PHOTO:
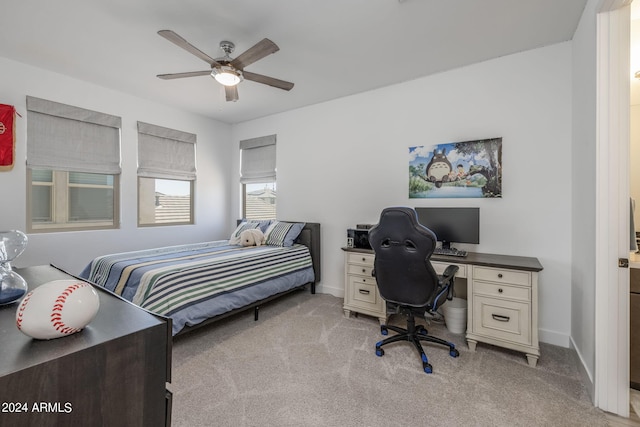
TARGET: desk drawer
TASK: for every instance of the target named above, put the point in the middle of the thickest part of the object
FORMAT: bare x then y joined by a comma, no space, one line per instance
363,290
361,270
499,275
506,320
358,258
502,291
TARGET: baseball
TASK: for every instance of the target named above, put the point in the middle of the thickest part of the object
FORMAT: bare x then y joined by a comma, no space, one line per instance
57,309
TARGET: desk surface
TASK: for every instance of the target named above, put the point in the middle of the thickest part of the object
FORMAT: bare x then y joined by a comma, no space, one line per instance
477,258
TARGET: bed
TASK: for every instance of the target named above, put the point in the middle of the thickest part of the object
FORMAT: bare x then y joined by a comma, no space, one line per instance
199,283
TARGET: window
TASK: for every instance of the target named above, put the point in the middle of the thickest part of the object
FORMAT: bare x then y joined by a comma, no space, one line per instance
258,177
166,175
64,200
164,201
259,201
73,167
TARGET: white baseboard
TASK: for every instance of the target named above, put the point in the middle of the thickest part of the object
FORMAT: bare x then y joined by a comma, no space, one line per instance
587,377
331,290
553,337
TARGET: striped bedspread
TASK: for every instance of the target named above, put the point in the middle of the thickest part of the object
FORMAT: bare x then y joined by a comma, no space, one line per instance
191,283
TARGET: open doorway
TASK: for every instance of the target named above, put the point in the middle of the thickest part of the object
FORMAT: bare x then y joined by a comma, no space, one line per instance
634,192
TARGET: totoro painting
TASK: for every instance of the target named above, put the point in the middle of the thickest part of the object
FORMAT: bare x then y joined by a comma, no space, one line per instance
456,170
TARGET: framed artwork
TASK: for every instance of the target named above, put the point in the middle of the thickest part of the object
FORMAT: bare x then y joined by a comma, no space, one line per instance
468,169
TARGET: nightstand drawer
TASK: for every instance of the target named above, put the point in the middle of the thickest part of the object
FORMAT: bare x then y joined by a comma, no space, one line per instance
514,277
505,320
361,270
363,290
356,258
502,291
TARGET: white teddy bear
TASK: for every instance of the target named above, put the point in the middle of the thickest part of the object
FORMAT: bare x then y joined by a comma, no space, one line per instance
252,237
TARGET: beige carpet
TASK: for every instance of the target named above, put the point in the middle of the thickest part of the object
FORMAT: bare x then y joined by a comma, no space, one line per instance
305,364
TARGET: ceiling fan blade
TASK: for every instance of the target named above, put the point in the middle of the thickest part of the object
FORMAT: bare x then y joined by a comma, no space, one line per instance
231,93
259,78
187,74
258,51
180,42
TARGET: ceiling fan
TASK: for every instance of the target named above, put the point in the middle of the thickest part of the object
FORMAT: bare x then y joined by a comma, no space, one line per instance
226,70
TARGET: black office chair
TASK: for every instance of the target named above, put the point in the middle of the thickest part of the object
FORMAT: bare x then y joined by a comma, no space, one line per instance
406,279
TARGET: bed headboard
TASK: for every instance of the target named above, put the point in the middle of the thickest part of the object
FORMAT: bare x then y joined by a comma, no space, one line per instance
310,237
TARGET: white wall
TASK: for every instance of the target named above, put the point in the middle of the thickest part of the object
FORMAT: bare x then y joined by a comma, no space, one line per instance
73,250
583,220
341,162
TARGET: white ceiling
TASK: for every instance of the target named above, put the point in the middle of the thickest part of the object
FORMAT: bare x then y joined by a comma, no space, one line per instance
328,48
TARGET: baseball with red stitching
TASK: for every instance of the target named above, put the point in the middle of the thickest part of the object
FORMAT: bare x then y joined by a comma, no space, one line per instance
57,309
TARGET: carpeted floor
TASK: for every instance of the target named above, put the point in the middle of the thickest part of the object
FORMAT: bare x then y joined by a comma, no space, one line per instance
305,364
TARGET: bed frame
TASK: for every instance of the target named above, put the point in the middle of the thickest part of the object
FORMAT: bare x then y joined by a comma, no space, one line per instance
310,237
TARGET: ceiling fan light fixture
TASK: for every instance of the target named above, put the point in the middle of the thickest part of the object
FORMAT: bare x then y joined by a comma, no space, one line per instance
226,75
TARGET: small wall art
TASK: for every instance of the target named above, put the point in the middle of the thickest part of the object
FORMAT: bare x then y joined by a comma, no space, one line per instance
7,137
468,169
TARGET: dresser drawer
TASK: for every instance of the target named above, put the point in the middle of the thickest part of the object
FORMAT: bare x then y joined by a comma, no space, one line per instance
439,267
505,320
502,291
502,276
362,270
363,292
357,258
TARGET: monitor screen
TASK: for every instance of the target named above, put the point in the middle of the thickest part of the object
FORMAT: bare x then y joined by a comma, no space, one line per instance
452,225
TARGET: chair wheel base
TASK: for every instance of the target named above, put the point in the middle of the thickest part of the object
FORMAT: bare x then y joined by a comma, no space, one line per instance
379,352
384,330
427,368
454,352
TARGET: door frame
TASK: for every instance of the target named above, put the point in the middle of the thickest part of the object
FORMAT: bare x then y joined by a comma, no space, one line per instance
611,383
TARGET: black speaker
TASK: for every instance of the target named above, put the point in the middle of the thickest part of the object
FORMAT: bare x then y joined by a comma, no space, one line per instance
360,238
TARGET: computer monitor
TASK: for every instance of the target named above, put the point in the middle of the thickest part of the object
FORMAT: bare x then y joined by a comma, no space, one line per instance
459,225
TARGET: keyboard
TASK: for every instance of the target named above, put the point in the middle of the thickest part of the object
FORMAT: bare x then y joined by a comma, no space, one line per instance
450,252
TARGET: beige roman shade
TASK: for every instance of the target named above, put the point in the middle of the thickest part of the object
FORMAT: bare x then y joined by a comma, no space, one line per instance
166,153
258,159
68,138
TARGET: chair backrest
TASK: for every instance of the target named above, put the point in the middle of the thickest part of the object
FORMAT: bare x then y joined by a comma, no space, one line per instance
402,249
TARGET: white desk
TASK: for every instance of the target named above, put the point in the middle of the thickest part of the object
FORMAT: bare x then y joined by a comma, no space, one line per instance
502,296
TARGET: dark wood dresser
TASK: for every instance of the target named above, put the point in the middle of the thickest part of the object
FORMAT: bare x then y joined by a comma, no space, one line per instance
112,373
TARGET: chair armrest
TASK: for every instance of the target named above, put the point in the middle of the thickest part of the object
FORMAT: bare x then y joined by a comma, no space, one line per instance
447,279
449,273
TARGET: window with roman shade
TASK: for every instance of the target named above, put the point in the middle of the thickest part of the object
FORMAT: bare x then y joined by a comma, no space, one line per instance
166,175
258,177
73,167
